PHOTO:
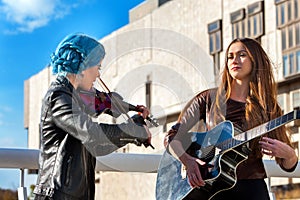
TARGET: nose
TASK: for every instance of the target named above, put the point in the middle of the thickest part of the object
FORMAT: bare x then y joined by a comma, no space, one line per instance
235,59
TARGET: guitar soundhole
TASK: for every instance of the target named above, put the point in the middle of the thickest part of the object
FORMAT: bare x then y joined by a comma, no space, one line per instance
205,154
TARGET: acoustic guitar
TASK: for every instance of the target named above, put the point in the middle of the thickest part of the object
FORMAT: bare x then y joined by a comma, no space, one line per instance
221,151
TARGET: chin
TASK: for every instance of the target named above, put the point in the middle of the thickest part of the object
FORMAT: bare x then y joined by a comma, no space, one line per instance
87,88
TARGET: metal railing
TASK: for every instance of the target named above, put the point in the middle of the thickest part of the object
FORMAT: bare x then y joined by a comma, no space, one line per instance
119,162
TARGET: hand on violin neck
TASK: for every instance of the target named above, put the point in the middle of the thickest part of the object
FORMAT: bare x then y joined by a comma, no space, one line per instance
143,110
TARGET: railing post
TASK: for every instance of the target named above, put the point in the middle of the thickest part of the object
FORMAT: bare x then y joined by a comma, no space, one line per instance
271,194
22,192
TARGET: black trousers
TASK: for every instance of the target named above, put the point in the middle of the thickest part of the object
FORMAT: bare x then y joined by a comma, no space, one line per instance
40,197
251,189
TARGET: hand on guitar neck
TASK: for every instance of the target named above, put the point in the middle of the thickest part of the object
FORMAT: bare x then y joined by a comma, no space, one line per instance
276,148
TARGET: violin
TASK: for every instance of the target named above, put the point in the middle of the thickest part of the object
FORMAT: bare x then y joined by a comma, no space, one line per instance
111,103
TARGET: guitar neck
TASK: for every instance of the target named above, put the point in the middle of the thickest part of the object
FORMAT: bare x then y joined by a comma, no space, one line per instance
261,129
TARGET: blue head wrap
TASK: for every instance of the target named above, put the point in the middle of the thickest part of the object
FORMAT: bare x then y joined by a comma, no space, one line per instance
76,53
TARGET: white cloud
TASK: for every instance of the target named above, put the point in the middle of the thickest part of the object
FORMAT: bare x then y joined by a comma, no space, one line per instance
7,142
5,109
28,15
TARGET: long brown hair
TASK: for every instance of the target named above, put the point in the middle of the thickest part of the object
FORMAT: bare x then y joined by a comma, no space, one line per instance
261,102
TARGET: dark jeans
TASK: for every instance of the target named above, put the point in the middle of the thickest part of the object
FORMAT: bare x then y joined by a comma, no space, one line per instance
251,189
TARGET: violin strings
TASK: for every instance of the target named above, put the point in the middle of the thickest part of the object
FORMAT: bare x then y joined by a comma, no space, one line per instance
119,107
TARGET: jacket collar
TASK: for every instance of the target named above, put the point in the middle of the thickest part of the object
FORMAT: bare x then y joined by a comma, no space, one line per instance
62,80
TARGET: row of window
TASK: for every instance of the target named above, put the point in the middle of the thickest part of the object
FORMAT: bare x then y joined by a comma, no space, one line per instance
291,63
249,22
290,36
250,25
295,100
287,11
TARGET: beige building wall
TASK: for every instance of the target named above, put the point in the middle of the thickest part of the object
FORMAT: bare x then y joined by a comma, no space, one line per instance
169,47
35,88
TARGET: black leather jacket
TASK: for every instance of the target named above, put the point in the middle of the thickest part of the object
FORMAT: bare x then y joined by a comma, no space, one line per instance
70,141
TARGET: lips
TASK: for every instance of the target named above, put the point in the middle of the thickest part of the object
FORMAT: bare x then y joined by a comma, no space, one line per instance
235,68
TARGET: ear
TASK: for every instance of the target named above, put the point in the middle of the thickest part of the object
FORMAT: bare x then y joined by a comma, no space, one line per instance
81,75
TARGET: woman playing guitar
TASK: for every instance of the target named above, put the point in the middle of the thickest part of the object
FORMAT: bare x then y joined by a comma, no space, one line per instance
247,97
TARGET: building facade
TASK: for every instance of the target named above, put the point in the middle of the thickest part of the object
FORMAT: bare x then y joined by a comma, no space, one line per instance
173,49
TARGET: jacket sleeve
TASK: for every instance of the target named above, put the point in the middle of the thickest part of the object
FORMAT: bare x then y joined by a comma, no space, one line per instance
99,139
194,111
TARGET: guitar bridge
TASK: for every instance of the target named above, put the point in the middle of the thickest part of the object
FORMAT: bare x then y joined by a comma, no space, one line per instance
183,172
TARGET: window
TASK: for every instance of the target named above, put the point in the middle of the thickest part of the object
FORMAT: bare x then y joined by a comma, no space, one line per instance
291,63
296,9
215,36
289,36
296,99
297,35
217,62
148,92
288,21
283,40
248,23
286,11
291,59
237,20
298,61
215,43
280,99
255,20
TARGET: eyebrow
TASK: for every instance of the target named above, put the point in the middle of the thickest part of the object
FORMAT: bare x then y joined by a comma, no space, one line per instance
243,50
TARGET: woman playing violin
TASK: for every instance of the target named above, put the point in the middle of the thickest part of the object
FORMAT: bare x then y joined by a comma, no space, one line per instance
70,139
247,97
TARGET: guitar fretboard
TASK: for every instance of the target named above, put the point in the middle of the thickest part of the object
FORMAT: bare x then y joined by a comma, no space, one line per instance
260,130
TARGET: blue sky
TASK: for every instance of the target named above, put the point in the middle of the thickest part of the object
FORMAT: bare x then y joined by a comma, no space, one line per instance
29,32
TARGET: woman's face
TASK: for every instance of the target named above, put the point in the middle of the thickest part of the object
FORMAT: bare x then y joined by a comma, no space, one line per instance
238,62
89,76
